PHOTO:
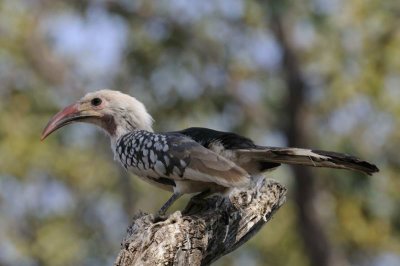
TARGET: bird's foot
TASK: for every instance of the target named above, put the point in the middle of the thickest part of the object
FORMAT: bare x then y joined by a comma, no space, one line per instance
160,217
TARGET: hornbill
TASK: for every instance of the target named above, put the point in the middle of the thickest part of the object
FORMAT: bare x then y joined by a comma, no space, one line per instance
191,160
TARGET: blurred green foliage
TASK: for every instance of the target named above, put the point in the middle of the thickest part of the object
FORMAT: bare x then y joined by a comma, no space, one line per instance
194,63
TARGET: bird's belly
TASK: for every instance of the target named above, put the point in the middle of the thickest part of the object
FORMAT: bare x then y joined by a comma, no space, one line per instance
152,178
189,186
183,186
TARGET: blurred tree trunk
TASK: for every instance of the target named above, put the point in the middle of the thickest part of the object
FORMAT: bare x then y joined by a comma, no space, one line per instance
317,245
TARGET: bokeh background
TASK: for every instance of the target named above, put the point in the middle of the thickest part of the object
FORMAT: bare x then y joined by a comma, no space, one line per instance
309,73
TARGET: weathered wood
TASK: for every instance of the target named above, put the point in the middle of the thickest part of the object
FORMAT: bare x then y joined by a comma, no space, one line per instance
207,229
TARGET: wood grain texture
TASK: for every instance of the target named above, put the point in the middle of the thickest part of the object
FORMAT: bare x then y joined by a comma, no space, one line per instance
205,231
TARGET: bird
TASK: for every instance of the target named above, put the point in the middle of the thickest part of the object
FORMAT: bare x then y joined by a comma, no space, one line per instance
193,160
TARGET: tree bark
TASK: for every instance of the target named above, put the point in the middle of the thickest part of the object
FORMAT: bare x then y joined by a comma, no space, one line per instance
205,231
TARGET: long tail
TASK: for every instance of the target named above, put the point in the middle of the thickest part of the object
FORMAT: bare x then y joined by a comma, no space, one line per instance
316,158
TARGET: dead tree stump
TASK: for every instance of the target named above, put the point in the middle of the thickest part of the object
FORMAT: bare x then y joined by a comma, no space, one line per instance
205,231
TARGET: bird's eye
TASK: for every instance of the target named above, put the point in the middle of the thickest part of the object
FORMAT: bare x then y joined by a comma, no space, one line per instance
96,101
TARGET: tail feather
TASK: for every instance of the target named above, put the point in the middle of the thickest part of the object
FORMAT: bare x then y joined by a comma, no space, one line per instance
316,158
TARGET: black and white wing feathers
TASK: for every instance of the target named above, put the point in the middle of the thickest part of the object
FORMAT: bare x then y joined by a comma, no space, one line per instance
176,157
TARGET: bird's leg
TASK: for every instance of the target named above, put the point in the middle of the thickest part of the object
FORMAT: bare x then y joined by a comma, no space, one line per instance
168,204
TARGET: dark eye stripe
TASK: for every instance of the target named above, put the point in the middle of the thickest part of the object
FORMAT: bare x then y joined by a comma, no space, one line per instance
96,101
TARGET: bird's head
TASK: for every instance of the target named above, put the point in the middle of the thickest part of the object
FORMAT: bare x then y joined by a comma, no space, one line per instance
113,111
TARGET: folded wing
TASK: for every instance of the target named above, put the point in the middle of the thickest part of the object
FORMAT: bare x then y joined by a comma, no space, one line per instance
201,164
